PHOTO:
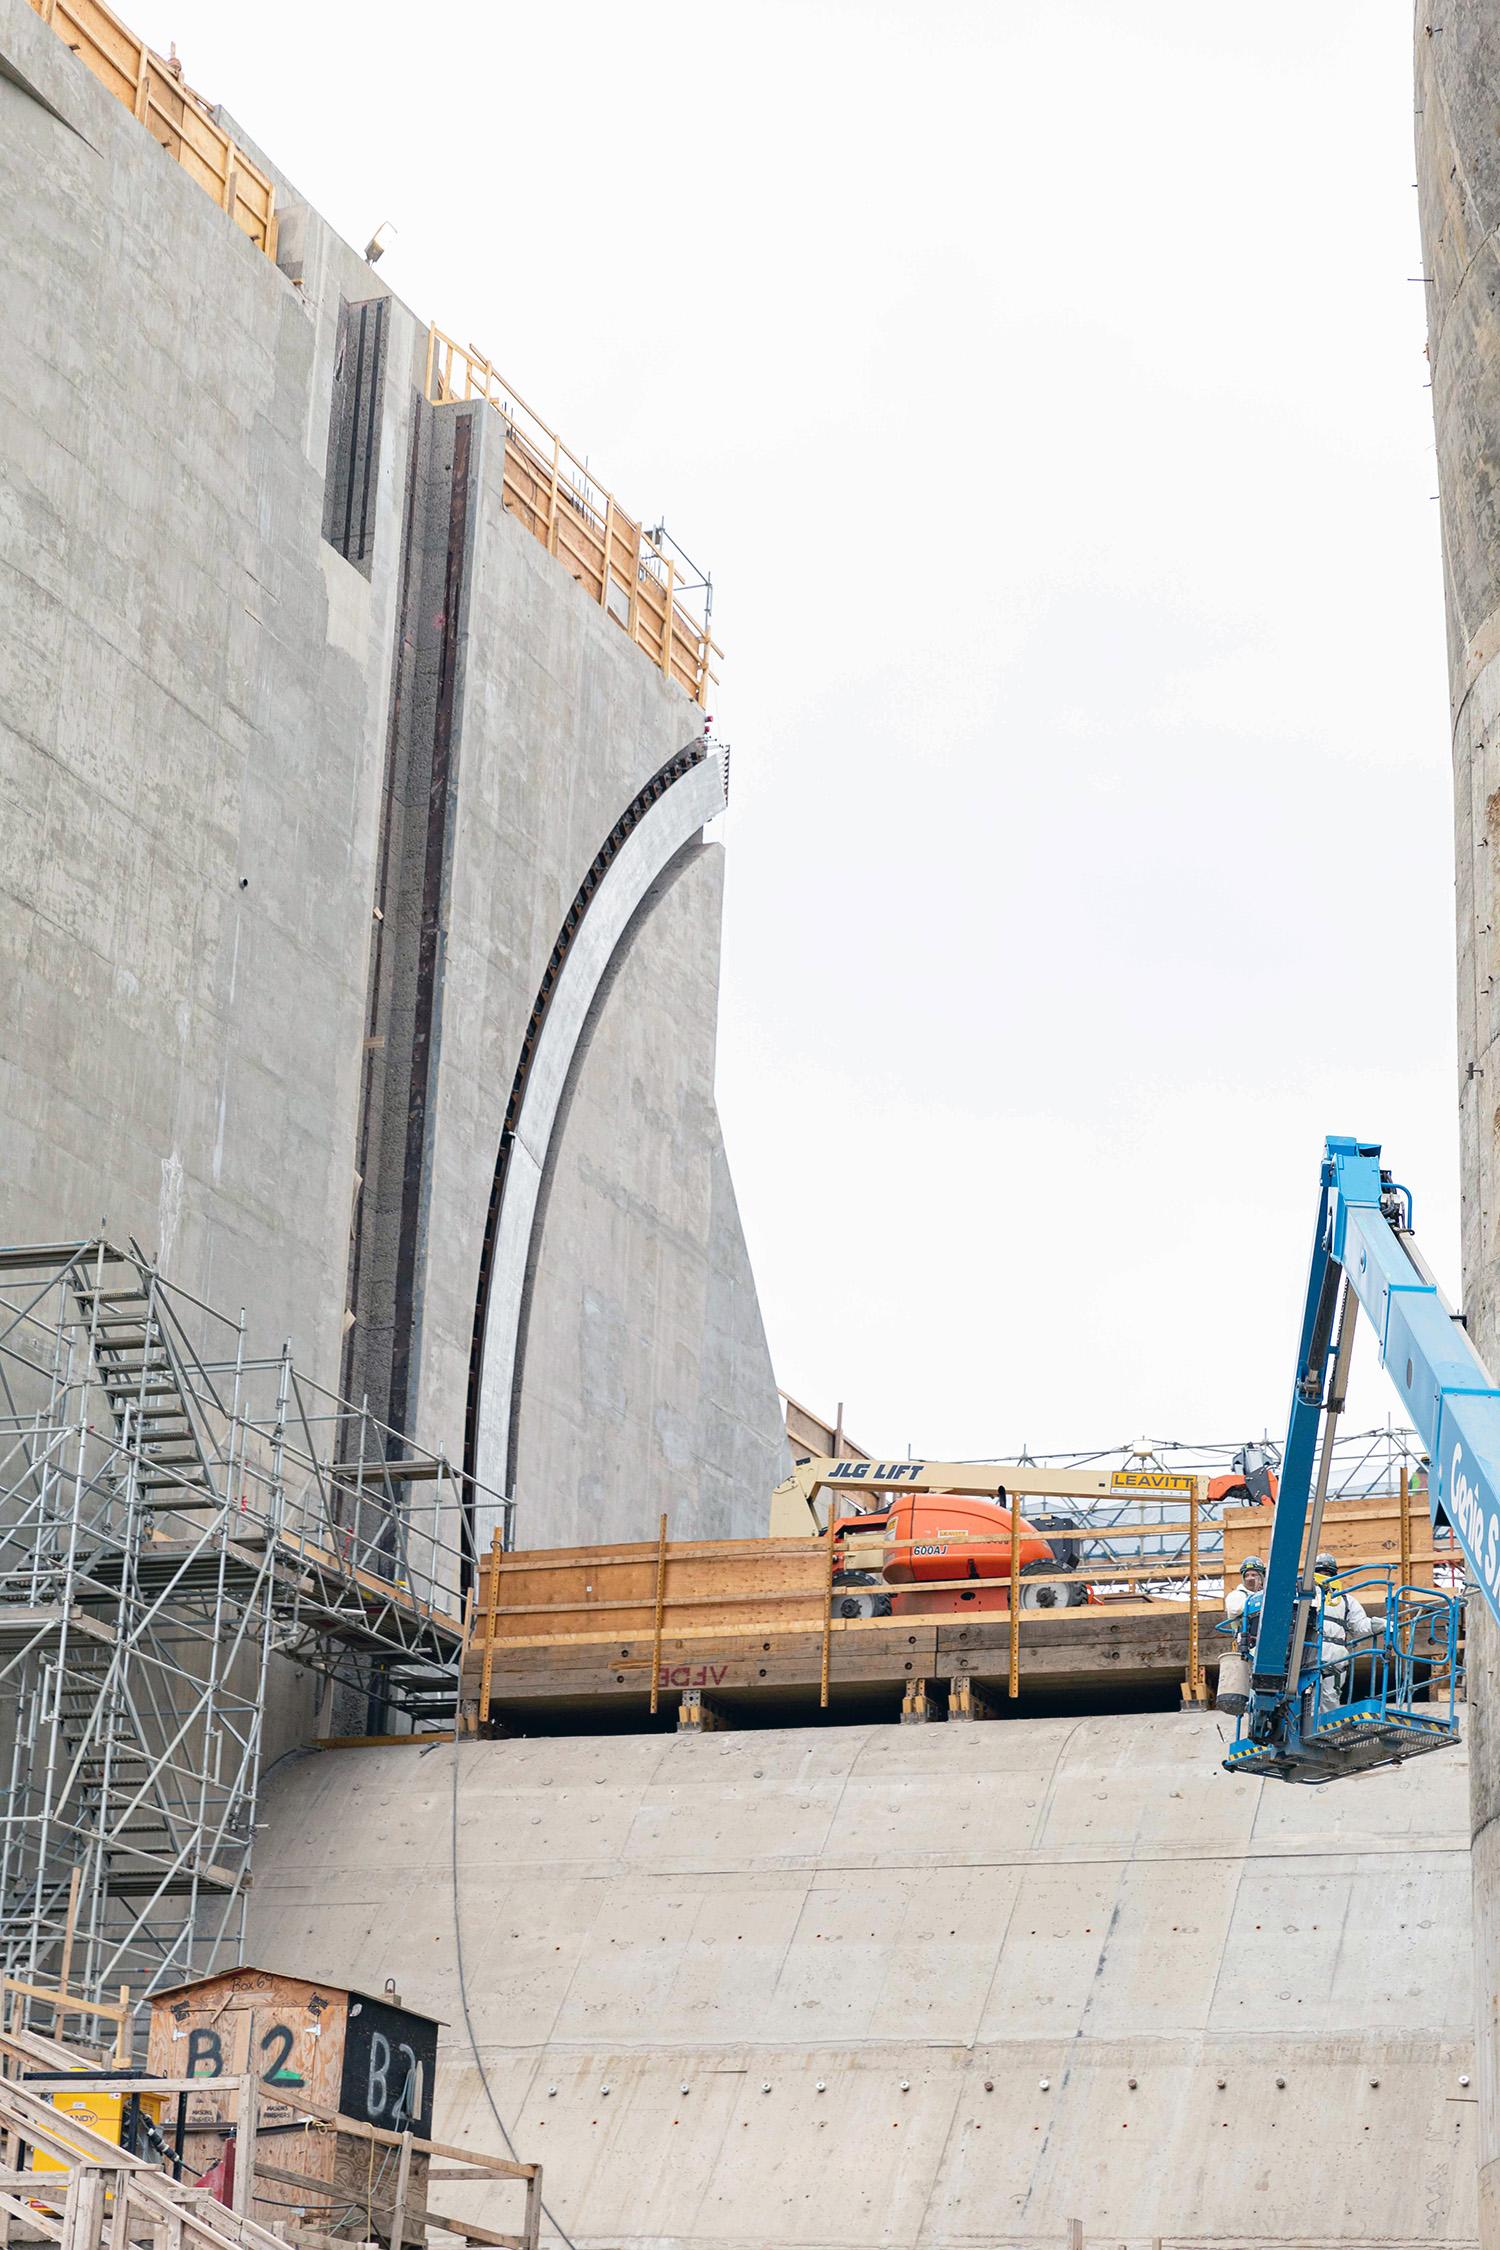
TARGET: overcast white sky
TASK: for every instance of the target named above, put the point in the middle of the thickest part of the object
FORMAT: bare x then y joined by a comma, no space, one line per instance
1045,387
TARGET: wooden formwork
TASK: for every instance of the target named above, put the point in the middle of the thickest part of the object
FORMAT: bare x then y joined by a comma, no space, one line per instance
1142,1644
750,1622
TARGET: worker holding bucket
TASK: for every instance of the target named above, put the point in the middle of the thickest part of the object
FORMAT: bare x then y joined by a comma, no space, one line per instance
1234,1667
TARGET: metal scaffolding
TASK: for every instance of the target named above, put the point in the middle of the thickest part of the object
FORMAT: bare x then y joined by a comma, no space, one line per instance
1365,1463
174,1514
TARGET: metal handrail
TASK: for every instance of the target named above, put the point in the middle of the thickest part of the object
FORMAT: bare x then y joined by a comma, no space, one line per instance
1391,1650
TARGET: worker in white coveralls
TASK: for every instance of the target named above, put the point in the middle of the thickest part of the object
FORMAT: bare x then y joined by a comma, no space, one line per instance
1344,1621
1234,1668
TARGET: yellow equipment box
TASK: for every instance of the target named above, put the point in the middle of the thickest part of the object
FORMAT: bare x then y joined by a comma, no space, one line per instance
101,2112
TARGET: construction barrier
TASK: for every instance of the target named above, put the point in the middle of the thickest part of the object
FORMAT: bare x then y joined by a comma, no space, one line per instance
551,1610
632,574
153,91
1376,1531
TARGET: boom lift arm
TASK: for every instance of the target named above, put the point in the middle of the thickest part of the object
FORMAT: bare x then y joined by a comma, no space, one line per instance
852,1486
1365,1255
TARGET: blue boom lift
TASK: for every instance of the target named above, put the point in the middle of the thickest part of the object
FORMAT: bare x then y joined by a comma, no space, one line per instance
1312,1714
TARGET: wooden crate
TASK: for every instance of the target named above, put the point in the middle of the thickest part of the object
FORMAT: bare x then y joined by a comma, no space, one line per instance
345,2053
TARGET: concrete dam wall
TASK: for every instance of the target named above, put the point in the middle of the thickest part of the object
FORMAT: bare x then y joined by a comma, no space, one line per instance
312,756
1458,179
945,1986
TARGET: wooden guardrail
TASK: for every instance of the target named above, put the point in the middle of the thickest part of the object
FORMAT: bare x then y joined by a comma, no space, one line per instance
557,1603
91,2193
637,577
65,2005
630,575
1377,1531
153,91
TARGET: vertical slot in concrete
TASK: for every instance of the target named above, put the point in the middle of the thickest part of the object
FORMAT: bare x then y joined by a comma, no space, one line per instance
354,432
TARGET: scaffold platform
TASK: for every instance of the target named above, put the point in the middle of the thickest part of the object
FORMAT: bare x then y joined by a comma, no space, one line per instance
174,1513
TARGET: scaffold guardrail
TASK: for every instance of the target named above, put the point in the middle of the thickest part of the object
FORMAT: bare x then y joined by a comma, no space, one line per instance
174,1513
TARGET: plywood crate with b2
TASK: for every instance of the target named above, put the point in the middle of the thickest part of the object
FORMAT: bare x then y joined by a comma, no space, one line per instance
314,2050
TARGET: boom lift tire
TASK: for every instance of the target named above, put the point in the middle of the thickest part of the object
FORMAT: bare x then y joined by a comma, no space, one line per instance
1049,1595
850,1599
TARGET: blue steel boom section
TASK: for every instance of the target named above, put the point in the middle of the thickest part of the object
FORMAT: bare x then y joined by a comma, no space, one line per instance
1311,1717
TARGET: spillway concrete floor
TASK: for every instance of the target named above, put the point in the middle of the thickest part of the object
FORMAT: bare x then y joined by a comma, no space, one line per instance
939,1987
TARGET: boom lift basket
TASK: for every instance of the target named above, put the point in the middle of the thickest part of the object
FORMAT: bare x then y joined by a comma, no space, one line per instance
1312,1714
1361,1709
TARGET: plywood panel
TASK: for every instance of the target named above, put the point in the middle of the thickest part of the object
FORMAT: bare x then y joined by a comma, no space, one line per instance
1365,1531
710,1585
290,2033
170,111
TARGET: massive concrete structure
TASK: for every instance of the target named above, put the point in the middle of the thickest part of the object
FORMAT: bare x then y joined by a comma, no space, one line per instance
945,1986
358,936
358,931
1458,176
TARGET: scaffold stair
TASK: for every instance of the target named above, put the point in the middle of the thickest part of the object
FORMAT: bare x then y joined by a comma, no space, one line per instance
140,1375
174,1513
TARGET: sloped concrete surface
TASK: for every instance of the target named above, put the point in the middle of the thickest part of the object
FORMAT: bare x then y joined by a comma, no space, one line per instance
1016,1919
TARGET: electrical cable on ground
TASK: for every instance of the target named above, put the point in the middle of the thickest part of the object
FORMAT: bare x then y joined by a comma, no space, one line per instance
463,1994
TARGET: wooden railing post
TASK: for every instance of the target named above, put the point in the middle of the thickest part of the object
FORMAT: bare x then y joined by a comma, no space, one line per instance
83,2208
827,1613
1014,1686
666,641
487,1661
609,537
661,1610
398,2203
531,2225
1192,1692
633,621
244,2148
552,496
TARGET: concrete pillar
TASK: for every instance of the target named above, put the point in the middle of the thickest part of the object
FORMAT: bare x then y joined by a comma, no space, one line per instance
1458,178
